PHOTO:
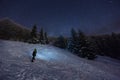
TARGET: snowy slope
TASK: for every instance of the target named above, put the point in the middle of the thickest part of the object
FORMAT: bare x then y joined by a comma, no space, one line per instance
52,64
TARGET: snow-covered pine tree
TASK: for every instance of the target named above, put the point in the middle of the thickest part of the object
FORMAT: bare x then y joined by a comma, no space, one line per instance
34,34
91,50
87,48
72,42
70,45
82,44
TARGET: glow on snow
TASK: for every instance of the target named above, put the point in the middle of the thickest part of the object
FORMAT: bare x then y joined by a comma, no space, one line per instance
46,53
50,53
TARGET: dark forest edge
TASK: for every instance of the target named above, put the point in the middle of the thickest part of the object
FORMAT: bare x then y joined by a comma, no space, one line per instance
90,46
78,43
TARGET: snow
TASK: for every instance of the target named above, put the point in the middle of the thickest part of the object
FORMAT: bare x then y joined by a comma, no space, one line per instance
52,63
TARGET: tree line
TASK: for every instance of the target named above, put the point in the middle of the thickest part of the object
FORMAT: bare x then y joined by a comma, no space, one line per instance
89,46
78,44
108,45
40,37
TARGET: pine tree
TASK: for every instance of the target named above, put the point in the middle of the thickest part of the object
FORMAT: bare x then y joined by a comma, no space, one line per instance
41,37
74,34
72,41
34,32
87,48
91,50
46,38
82,44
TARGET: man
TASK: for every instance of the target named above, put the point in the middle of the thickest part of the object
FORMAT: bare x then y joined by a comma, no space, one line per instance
34,54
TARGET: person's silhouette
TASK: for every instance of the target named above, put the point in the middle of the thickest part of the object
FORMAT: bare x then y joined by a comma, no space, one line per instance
34,54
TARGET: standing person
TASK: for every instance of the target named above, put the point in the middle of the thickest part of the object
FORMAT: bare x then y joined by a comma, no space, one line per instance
34,54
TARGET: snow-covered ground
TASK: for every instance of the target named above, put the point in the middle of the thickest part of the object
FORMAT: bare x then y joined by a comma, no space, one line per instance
52,64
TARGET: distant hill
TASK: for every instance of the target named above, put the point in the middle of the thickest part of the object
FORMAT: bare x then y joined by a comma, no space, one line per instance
13,31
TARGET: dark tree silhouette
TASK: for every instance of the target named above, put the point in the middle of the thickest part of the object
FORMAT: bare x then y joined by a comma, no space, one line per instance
46,38
72,41
80,45
41,37
61,43
34,32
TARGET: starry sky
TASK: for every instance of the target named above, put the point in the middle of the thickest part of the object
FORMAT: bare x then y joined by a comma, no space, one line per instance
57,17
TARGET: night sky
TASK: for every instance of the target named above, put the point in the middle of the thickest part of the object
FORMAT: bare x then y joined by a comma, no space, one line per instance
57,17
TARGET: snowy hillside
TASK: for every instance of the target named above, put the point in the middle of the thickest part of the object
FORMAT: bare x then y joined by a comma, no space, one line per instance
52,64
